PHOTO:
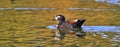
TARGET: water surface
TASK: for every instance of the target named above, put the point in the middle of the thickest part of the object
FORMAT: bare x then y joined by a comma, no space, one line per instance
110,1
96,28
72,8
108,33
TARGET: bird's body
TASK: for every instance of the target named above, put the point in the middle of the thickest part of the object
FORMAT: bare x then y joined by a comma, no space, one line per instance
71,26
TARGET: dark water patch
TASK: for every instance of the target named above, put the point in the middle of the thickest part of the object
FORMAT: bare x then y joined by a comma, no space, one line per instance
39,46
4,39
38,27
34,40
25,42
46,38
30,42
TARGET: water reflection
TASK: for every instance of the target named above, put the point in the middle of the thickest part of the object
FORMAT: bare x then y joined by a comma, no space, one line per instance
6,8
105,36
110,33
34,8
110,1
95,28
81,9
27,8
95,9
115,40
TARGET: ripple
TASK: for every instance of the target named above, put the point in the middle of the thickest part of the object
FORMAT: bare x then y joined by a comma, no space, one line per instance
115,39
104,36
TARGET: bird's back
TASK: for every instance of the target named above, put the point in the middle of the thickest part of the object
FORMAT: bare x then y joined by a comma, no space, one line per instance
67,26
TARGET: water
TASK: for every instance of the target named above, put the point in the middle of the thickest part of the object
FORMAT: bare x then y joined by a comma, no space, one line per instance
108,33
20,8
95,28
110,1
81,9
33,34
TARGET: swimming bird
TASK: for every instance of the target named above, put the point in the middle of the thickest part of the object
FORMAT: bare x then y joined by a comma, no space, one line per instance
68,26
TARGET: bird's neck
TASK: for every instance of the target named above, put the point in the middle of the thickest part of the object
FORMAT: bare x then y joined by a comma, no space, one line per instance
61,22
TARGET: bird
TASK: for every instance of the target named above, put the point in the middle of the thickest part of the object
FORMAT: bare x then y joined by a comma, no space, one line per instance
72,26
